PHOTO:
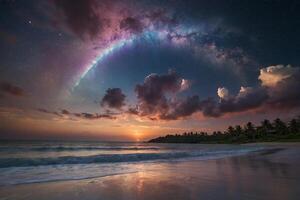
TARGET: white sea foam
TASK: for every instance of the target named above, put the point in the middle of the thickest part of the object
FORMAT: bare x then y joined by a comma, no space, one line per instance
21,167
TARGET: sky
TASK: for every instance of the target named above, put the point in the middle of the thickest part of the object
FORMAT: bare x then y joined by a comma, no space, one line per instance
131,70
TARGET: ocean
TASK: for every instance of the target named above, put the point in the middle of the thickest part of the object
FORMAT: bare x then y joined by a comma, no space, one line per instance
24,162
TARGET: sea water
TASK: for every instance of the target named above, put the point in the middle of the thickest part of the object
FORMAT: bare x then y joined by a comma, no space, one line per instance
43,161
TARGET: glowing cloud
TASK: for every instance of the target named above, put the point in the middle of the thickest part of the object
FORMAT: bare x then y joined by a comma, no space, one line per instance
272,75
223,93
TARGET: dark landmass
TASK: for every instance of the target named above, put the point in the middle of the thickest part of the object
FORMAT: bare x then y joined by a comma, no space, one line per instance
276,131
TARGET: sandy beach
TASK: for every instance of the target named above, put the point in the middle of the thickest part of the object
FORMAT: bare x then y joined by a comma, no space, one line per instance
271,174
150,100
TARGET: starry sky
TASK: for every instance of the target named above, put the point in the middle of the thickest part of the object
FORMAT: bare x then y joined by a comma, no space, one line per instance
133,70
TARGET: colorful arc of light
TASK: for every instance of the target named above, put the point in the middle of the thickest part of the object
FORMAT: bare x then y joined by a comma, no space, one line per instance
105,52
148,35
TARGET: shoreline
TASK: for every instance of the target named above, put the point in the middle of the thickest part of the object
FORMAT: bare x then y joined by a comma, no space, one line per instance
267,174
233,143
148,162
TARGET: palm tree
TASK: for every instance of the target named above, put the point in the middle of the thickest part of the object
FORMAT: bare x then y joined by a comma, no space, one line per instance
230,130
238,130
293,126
266,126
250,130
280,126
298,122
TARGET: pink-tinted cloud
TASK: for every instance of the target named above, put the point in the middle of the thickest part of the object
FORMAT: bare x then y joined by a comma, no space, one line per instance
113,98
11,89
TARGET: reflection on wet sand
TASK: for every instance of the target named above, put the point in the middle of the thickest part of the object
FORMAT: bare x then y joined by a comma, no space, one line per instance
272,174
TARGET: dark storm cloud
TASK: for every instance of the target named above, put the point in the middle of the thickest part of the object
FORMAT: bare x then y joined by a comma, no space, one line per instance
114,98
210,108
11,89
279,90
282,84
152,93
243,101
287,93
81,16
152,100
246,99
183,108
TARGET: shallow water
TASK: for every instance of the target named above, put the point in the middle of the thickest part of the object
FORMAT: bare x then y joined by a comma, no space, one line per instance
272,173
30,162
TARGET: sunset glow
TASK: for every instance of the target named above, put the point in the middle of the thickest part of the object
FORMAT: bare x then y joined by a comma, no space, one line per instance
131,71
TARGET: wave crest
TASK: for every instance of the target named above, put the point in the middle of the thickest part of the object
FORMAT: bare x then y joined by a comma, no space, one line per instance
113,158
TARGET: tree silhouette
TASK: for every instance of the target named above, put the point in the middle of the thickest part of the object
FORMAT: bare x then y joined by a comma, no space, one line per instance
280,126
250,130
238,130
267,131
293,126
266,126
230,130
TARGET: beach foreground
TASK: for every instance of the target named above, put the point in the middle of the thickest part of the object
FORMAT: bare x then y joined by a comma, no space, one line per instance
270,174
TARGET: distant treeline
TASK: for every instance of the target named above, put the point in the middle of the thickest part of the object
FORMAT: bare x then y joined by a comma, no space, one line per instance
266,132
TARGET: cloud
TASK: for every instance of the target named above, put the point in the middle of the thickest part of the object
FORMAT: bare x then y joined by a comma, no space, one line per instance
82,115
133,111
279,89
65,112
92,116
49,112
114,98
246,99
108,20
209,107
154,99
152,93
282,84
132,25
223,93
8,37
81,17
154,102
183,108
272,75
11,89
158,97
185,84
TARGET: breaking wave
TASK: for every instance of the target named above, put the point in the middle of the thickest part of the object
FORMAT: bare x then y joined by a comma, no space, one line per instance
114,158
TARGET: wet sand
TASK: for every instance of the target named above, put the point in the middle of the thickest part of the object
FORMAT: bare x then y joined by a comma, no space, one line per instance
271,174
